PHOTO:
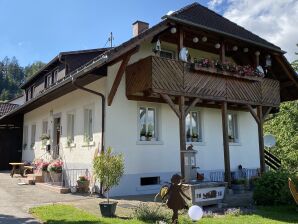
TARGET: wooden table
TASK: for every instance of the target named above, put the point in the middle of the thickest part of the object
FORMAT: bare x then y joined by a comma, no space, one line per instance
17,168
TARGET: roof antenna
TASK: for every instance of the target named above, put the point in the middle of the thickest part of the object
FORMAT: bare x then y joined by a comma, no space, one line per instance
111,38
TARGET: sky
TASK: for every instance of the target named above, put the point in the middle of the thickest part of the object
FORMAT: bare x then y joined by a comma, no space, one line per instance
33,30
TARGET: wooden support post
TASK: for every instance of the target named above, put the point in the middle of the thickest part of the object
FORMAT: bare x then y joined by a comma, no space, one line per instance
224,113
181,40
261,139
222,52
182,133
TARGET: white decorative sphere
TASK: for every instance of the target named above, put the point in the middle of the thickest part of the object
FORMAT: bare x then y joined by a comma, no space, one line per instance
235,48
217,46
173,30
195,40
204,39
245,50
195,213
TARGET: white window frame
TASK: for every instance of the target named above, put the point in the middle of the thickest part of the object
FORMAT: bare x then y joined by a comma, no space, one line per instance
87,137
156,137
25,137
70,132
49,80
235,128
200,127
55,76
33,136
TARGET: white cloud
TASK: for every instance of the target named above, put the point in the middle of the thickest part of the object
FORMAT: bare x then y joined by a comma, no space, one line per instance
273,20
213,4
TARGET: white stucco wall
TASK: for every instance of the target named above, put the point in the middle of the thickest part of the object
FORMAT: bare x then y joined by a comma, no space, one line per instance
141,160
79,156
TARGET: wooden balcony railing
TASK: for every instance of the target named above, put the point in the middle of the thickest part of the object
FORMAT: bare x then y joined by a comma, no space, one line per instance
173,77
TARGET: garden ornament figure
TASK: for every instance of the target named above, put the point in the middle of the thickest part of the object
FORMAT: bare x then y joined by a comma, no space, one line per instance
176,197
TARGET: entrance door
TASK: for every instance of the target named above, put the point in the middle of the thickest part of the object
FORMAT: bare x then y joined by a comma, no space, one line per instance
56,137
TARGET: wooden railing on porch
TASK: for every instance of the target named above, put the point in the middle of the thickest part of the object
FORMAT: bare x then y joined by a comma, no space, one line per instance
176,78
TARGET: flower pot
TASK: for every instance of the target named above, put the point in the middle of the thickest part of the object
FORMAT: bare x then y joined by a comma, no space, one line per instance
108,209
143,138
149,138
83,186
45,176
238,188
194,139
56,177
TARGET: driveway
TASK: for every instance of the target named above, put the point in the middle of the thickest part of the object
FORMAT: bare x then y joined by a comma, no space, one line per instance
15,200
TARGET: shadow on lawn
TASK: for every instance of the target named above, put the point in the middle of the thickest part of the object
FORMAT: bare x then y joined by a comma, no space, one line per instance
279,213
9,219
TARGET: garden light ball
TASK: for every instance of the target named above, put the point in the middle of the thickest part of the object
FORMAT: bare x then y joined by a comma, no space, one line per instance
204,39
173,30
195,212
195,40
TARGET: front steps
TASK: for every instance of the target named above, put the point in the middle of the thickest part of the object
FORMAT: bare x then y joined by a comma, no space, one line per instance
55,188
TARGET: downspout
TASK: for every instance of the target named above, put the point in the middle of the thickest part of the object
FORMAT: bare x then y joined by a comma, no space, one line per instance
103,103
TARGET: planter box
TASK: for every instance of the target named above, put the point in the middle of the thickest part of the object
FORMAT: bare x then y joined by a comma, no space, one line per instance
238,188
83,186
56,178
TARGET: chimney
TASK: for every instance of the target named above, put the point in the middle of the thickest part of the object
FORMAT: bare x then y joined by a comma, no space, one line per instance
139,27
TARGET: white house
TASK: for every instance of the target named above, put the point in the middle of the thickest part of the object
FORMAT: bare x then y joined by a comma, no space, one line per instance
146,87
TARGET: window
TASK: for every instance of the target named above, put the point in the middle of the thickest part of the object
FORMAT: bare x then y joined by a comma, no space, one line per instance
45,127
147,124
70,128
193,127
48,81
88,126
232,128
150,181
167,54
55,73
25,137
33,133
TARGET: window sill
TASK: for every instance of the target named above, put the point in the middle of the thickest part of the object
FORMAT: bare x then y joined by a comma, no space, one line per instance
72,145
196,143
149,142
234,144
88,144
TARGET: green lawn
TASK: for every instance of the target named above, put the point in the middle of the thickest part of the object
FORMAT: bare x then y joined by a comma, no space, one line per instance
66,214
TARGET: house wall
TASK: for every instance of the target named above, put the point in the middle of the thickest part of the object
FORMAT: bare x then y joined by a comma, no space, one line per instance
142,159
162,158
79,155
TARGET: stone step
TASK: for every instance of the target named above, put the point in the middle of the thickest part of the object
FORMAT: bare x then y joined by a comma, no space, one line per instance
37,177
55,188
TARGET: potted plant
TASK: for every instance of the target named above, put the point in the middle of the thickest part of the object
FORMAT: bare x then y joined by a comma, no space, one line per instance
239,185
194,137
143,134
149,136
108,168
55,170
83,184
44,138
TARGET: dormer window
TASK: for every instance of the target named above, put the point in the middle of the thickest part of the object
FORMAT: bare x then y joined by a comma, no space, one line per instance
48,80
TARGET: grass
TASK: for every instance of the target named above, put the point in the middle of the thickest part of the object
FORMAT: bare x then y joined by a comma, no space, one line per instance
66,214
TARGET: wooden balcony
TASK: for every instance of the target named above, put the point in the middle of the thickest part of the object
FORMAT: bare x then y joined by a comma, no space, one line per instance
176,78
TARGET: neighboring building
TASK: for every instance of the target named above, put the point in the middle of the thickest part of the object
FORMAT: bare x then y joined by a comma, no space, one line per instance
6,108
19,100
142,80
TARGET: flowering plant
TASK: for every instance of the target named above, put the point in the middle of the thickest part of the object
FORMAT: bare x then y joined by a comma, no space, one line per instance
83,178
55,166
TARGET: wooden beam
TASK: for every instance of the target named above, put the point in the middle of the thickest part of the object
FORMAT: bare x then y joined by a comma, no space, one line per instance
266,113
119,75
290,75
192,104
224,114
222,52
261,139
181,40
182,133
253,113
171,104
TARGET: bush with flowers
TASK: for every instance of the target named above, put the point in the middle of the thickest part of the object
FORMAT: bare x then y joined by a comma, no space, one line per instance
55,166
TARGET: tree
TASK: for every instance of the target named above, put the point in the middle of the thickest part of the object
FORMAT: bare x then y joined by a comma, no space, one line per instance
295,63
285,128
32,69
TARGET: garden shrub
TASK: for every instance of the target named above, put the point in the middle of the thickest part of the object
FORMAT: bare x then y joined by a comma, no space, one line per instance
272,188
151,213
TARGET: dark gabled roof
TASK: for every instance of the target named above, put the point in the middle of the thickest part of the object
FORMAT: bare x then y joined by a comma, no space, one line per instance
196,14
6,108
57,58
